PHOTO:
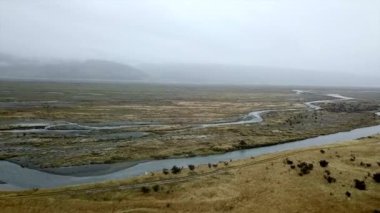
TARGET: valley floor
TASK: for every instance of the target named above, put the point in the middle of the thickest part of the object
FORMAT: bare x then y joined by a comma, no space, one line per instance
107,123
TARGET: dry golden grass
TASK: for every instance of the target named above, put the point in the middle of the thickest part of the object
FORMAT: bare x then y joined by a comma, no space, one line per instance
263,184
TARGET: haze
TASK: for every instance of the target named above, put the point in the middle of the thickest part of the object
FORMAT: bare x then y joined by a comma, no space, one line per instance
330,37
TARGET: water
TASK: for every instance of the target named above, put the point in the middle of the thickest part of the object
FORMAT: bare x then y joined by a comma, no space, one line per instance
17,177
252,117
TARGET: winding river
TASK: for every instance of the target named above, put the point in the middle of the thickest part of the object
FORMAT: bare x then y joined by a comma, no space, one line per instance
15,177
69,127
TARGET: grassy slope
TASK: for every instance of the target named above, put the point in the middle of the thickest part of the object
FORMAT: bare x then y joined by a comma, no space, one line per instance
263,184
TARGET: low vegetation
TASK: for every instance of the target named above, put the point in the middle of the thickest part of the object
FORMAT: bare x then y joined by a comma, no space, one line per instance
268,183
180,108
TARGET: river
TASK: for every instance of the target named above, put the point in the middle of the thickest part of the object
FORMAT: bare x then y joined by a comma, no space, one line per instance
15,177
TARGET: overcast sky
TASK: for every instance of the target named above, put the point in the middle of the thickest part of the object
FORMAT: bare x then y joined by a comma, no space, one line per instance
341,35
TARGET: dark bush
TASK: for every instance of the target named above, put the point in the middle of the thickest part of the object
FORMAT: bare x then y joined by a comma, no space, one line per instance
376,177
191,167
165,171
209,165
305,167
242,143
360,184
348,194
330,179
322,151
215,165
176,170
323,163
156,188
292,167
225,163
289,162
145,189
365,164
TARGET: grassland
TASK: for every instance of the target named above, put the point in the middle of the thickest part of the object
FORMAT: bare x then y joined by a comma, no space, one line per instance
170,114
263,184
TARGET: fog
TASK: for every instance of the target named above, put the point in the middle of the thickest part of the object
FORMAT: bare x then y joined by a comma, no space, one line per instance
300,39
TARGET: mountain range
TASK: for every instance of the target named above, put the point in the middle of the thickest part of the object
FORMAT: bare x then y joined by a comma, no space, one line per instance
89,70
190,73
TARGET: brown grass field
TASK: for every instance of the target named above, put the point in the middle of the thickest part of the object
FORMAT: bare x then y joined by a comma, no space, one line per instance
263,184
176,107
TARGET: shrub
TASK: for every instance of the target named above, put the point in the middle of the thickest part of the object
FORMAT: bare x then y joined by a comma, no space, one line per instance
305,168
360,184
191,167
365,164
242,143
156,188
330,179
289,162
176,170
348,194
376,177
145,189
165,171
323,163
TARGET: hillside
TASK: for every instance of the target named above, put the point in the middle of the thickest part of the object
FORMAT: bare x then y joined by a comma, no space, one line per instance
269,183
90,70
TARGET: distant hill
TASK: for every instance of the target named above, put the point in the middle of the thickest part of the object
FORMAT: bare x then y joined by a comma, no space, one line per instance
90,70
253,75
101,70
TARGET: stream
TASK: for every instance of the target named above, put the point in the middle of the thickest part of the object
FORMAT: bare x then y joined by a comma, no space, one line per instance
15,177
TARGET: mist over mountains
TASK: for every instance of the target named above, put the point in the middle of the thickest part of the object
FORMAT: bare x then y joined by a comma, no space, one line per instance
101,70
89,70
254,75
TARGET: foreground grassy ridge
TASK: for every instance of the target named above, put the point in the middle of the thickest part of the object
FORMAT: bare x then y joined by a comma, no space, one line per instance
180,107
263,184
